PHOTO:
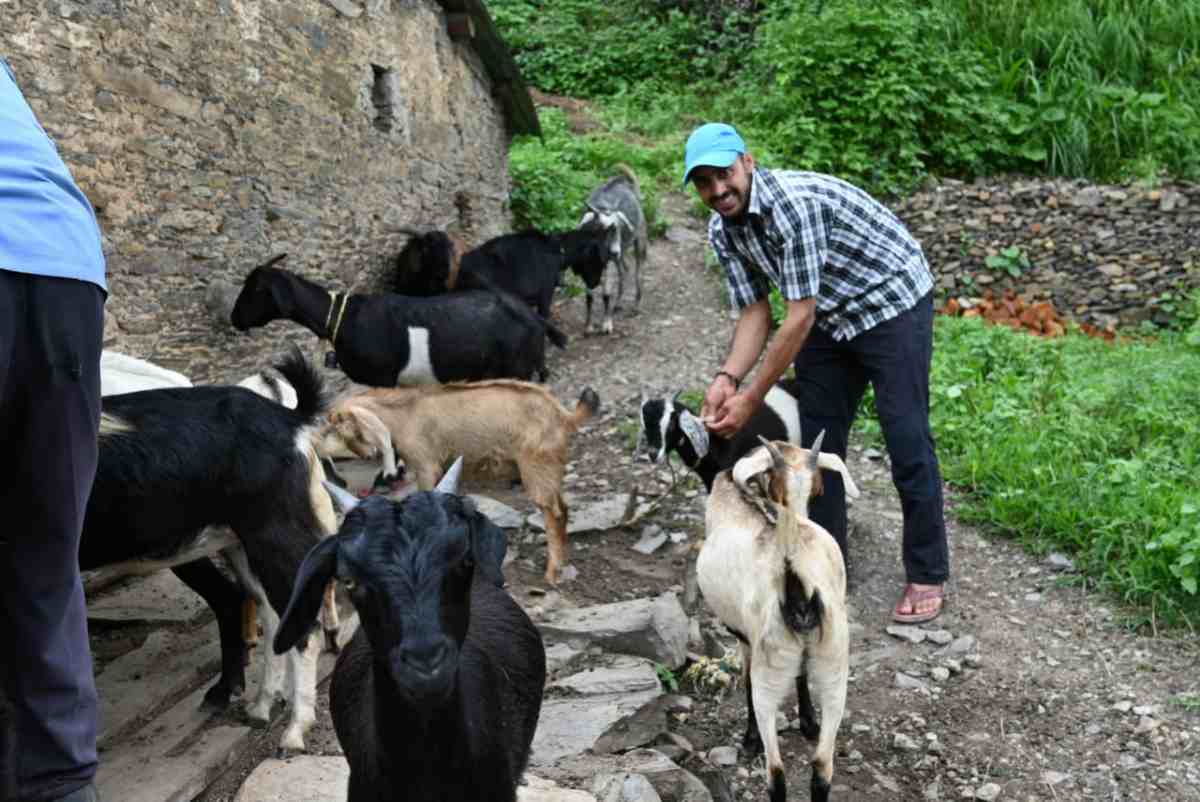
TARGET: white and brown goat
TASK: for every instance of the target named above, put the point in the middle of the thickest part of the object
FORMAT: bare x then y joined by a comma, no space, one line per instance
776,580
502,428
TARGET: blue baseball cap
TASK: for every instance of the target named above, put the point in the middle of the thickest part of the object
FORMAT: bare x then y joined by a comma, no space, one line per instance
712,145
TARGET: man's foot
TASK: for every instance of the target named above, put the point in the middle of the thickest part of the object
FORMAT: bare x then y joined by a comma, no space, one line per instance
919,604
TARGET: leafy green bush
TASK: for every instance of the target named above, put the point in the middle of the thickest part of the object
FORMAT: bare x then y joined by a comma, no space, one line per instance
587,48
553,176
869,91
1080,445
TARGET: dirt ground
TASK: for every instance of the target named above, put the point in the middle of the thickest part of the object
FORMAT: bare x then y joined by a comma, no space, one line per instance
1038,691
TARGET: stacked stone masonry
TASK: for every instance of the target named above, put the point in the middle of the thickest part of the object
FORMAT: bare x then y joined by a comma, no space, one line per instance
1108,255
211,135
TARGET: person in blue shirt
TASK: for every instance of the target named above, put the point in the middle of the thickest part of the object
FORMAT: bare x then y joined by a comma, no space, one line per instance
52,293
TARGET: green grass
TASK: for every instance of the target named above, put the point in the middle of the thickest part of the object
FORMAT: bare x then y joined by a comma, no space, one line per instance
1079,445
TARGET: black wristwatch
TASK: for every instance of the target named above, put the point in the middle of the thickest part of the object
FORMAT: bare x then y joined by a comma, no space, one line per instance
737,383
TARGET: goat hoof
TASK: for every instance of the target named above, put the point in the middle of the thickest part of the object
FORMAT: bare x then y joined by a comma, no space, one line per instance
608,327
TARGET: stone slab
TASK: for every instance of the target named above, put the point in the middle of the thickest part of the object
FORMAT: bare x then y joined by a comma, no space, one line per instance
166,665
305,778
654,628
538,790
570,726
592,516
158,597
615,673
498,512
180,752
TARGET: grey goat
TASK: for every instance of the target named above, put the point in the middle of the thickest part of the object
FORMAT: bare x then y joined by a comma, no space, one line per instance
615,207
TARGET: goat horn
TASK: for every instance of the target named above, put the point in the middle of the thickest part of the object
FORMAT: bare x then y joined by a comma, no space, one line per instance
776,457
344,501
814,453
449,483
675,398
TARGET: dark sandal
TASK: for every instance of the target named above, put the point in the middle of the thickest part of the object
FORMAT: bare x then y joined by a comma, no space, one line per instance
912,598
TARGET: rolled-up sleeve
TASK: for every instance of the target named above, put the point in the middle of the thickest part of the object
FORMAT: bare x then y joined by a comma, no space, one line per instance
803,225
746,285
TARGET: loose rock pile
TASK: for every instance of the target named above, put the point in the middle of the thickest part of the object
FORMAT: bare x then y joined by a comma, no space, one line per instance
1101,254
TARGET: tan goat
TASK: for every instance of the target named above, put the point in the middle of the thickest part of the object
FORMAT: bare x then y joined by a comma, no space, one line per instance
503,429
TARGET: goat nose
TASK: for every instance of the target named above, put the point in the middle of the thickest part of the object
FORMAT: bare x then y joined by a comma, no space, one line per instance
426,660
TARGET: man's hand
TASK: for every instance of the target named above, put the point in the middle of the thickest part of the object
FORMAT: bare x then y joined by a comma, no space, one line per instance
733,414
721,388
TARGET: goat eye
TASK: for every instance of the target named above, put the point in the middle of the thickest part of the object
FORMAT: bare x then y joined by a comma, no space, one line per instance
348,583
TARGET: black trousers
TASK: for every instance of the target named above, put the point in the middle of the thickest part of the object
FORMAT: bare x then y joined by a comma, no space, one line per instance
51,334
831,377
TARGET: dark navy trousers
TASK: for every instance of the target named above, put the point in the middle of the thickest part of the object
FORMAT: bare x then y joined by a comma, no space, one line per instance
831,377
51,334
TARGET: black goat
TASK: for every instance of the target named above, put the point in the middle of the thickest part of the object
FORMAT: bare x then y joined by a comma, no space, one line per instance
667,425
438,694
528,264
385,340
173,462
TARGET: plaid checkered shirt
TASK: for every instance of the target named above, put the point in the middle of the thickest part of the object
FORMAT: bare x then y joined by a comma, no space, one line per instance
814,235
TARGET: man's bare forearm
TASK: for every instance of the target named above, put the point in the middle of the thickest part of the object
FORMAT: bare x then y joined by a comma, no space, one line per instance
749,336
785,345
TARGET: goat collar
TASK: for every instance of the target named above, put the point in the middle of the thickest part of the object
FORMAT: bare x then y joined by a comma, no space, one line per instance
333,301
695,431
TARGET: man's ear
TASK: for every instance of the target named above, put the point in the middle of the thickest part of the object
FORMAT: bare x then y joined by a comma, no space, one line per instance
747,160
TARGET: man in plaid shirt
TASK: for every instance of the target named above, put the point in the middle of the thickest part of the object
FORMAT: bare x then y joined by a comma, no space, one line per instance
859,309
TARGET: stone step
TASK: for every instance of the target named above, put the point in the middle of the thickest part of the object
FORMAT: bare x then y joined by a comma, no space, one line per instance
157,597
167,665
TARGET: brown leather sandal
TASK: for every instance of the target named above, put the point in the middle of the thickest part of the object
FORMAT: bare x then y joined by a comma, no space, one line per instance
912,598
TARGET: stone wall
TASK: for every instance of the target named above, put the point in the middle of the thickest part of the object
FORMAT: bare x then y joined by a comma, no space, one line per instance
213,134
1106,255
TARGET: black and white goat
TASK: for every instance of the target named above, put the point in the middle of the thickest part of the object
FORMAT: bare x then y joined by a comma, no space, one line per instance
385,340
667,426
175,462
776,580
528,264
438,694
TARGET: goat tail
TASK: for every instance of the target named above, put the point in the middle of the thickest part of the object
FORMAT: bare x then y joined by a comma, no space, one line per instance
627,171
587,406
312,400
555,334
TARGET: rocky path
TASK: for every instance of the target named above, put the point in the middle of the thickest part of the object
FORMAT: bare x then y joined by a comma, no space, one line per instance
1027,688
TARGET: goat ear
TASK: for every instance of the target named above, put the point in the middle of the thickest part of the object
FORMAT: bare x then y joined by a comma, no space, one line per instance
695,431
449,483
489,544
624,221
832,462
342,500
307,594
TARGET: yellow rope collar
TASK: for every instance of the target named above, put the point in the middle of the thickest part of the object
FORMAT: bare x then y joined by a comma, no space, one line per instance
333,301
